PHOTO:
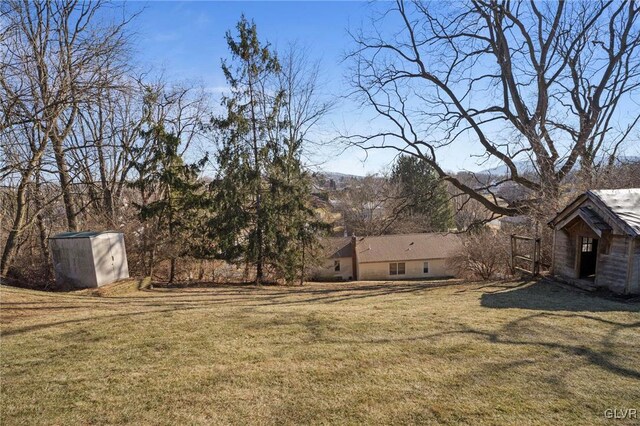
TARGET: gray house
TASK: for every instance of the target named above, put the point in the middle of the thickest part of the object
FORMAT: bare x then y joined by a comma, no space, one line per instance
596,240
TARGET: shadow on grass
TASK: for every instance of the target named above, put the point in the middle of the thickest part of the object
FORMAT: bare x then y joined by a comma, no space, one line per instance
279,295
526,331
89,320
546,295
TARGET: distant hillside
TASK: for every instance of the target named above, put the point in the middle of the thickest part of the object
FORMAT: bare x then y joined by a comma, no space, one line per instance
526,166
337,175
333,180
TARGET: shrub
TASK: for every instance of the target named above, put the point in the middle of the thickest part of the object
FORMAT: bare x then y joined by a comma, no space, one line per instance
484,255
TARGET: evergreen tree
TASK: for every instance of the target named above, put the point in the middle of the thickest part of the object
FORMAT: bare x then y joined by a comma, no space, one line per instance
292,238
423,199
262,192
172,195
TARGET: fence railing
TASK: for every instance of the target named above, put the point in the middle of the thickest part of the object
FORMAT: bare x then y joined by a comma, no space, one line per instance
529,256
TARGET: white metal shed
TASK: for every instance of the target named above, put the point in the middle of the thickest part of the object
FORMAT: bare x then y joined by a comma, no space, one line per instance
89,259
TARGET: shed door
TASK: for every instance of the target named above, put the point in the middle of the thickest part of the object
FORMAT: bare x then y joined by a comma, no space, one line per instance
102,251
118,257
115,256
588,257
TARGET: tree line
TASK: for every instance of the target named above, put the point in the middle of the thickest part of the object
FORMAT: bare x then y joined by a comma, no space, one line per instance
90,142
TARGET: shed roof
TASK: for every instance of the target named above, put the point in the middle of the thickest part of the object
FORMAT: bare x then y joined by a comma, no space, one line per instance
387,248
623,203
81,234
593,219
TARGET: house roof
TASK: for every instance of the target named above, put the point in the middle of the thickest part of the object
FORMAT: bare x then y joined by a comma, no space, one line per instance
336,247
623,206
388,248
81,234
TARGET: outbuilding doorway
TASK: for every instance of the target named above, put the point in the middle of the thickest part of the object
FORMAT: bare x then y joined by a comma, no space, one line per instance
588,257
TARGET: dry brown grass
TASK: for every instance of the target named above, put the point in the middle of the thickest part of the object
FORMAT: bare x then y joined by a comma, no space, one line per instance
433,353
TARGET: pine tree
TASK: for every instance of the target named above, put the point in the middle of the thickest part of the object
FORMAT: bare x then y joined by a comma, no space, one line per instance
423,198
172,195
293,235
261,194
251,113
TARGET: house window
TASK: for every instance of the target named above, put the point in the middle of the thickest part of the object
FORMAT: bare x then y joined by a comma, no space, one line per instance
396,268
425,268
587,245
336,265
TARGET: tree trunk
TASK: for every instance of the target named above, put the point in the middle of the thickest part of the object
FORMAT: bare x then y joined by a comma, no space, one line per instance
258,177
42,230
18,223
302,265
201,271
65,184
172,270
107,198
152,259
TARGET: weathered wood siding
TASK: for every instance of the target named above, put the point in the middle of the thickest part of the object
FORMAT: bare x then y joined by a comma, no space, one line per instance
612,268
564,254
634,285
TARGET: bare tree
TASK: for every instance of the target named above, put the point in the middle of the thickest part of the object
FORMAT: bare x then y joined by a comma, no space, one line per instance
65,56
56,59
304,106
547,82
23,150
368,206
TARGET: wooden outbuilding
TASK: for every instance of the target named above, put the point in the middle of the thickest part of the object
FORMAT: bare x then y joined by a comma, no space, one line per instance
596,240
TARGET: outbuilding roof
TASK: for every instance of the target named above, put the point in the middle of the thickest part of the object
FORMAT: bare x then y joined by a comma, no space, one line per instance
621,205
81,234
624,203
593,219
404,247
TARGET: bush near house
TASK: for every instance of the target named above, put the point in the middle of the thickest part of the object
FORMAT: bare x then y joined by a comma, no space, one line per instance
484,255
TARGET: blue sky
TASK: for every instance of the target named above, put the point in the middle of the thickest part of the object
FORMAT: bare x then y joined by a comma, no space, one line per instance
185,40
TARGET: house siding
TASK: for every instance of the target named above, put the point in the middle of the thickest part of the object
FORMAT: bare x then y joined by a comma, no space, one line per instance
564,255
413,269
346,269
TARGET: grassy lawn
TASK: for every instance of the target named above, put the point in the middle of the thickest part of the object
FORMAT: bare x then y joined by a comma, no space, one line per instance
434,353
